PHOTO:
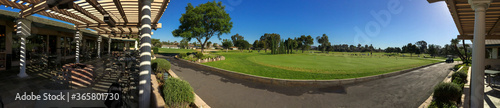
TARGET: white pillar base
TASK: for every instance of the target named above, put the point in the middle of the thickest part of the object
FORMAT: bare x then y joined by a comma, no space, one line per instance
22,75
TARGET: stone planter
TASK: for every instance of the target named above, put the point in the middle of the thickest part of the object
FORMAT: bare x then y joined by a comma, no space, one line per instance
77,74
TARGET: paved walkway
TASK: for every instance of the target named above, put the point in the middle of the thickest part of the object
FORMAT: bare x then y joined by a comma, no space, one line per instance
408,90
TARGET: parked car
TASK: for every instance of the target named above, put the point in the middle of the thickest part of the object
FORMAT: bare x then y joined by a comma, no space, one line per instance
449,60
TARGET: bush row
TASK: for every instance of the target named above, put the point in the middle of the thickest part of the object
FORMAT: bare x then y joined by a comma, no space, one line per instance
160,65
177,93
447,94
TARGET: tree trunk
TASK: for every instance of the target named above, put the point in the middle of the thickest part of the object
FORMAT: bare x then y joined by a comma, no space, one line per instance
458,52
465,52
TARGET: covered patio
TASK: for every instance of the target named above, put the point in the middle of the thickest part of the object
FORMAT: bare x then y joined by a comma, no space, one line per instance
478,21
100,35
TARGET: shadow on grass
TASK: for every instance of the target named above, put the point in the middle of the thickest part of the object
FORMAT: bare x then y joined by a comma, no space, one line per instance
290,91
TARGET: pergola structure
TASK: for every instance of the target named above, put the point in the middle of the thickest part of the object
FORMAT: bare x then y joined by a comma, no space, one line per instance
110,18
478,21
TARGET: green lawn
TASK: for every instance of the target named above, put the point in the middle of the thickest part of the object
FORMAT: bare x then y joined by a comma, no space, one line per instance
335,65
165,50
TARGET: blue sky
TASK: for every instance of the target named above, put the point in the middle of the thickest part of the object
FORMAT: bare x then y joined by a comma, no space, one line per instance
417,20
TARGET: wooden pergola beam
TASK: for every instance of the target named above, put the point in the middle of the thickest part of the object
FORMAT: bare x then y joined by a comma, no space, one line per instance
163,8
86,13
118,5
128,25
470,37
453,10
41,6
65,12
96,5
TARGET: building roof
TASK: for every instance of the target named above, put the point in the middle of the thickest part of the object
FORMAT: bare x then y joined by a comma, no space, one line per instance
463,15
91,14
59,26
492,42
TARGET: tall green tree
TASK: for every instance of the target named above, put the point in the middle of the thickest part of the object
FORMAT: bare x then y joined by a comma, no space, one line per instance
282,47
204,21
323,40
454,43
410,48
422,45
261,45
242,44
273,41
237,37
290,45
255,45
263,39
305,42
467,59
156,42
226,43
184,44
433,50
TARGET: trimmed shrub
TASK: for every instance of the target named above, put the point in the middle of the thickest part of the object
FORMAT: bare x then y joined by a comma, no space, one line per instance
155,50
459,76
445,92
182,55
199,55
438,104
177,93
162,65
456,67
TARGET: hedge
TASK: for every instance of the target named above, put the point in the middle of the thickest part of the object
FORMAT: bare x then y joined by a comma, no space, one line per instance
444,92
162,65
177,93
155,50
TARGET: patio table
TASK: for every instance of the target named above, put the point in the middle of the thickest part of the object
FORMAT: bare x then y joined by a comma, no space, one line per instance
489,74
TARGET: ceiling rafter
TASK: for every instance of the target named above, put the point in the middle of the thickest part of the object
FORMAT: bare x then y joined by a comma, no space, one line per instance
86,13
136,25
118,5
162,9
65,12
453,10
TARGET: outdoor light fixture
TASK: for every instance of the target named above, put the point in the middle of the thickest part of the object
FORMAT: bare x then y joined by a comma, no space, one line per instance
109,21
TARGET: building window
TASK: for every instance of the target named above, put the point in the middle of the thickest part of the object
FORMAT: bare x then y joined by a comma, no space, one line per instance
489,53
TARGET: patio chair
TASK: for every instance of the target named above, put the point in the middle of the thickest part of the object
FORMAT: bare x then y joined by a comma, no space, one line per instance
114,88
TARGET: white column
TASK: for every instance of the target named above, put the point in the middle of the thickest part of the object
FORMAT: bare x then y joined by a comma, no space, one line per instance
135,45
23,31
145,55
99,47
478,53
109,45
77,40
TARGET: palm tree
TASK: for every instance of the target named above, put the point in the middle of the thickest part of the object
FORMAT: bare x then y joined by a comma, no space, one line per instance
467,60
454,42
